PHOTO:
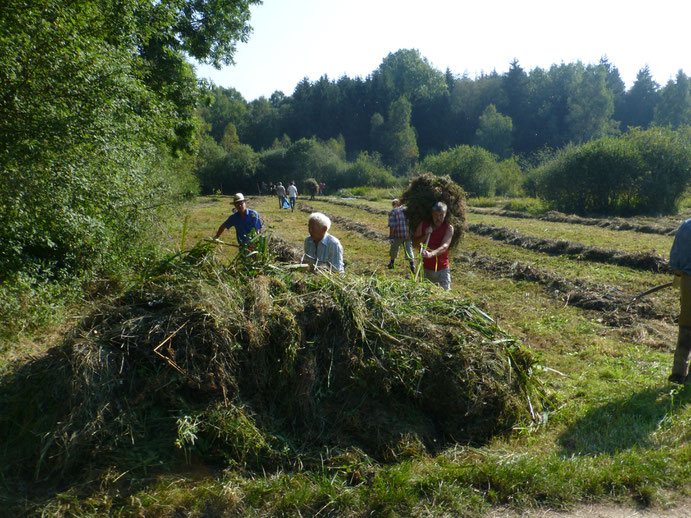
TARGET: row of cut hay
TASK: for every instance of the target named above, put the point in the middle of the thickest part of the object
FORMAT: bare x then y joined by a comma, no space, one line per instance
639,261
271,368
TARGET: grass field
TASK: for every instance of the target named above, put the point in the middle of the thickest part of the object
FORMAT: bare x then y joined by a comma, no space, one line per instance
618,431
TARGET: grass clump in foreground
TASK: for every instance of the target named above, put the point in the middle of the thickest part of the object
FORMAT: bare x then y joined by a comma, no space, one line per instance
254,367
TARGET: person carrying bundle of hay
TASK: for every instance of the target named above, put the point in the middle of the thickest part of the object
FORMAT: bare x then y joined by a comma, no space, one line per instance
436,234
436,210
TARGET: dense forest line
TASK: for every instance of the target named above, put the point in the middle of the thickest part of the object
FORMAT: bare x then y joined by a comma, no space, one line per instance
406,109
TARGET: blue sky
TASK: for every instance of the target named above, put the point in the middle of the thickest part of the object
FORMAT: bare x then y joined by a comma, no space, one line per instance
293,39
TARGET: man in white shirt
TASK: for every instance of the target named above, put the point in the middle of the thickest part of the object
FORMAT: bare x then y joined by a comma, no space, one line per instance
292,195
322,250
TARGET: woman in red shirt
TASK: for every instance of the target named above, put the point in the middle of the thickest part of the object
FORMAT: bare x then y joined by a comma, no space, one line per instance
435,255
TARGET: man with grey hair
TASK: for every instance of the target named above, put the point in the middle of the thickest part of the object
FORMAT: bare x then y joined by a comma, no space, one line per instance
281,192
399,235
437,235
322,250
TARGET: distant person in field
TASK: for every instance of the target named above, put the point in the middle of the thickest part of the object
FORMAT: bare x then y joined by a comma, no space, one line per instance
322,250
292,195
680,264
322,186
246,221
399,235
437,233
281,192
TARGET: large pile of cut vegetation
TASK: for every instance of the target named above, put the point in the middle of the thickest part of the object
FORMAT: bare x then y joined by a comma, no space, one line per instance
262,367
427,189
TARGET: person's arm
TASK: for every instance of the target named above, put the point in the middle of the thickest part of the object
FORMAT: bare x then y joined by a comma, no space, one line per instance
258,224
418,237
336,255
445,243
220,231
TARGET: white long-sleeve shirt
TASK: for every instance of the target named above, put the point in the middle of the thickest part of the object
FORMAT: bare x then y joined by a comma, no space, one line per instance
328,253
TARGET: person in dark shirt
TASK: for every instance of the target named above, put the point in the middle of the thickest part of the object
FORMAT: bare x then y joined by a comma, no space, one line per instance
246,221
680,264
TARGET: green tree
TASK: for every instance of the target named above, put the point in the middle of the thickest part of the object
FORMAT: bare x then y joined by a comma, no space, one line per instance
494,132
230,137
406,73
262,124
95,95
400,146
228,106
674,107
590,105
516,87
640,101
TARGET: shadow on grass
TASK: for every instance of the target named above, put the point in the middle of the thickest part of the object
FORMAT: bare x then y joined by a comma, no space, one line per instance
624,423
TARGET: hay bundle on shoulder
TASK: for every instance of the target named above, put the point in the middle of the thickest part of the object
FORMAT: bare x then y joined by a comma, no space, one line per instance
427,189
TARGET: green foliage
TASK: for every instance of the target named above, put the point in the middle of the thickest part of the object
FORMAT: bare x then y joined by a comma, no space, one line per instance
96,98
407,73
510,178
642,172
399,145
674,106
476,170
494,132
368,171
590,104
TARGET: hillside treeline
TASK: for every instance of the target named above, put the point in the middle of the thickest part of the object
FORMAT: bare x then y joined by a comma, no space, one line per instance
406,109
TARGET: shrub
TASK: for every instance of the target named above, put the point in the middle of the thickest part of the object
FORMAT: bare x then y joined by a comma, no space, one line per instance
477,171
642,172
367,171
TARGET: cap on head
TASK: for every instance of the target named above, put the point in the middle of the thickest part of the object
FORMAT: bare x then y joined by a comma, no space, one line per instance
238,198
395,202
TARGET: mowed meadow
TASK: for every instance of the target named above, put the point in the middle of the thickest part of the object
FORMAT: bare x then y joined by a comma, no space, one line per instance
617,430
204,389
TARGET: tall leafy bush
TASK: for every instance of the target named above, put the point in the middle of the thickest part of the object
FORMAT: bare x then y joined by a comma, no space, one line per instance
642,172
476,170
